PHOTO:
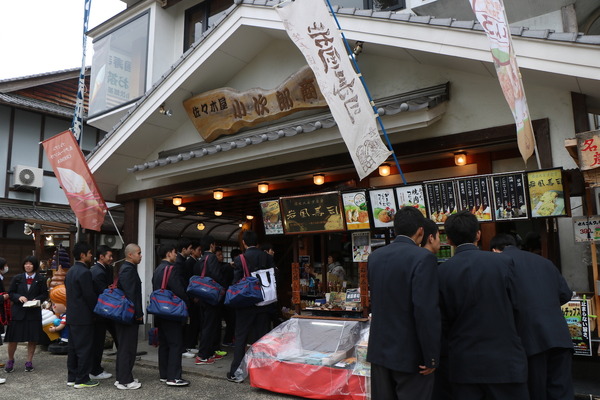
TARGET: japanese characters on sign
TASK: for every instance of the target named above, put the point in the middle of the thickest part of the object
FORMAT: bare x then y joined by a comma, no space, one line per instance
509,196
355,210
312,213
546,193
361,246
441,198
225,111
576,314
588,149
587,229
271,215
411,196
383,207
474,195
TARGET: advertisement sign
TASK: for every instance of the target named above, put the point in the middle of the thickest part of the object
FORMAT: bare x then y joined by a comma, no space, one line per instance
441,198
546,193
474,196
271,215
587,229
383,207
361,246
411,196
312,213
510,200
356,212
576,314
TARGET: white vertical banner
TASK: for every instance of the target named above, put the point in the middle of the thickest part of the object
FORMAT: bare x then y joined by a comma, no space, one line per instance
314,31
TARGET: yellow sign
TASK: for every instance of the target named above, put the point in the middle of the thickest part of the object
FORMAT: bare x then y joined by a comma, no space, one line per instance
546,193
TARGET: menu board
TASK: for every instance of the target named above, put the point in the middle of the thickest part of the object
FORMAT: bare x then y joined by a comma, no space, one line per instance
546,193
441,198
271,215
411,196
474,196
361,246
510,201
587,229
355,210
312,213
383,207
576,314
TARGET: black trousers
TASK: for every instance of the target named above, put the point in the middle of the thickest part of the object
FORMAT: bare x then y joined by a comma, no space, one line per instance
211,330
490,391
192,330
442,388
100,328
127,336
550,375
387,384
170,344
248,318
229,317
79,356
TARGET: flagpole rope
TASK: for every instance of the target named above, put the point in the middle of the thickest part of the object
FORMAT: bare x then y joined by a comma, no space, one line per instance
115,225
362,80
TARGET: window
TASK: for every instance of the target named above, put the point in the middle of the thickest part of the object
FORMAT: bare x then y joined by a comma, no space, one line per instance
119,66
200,17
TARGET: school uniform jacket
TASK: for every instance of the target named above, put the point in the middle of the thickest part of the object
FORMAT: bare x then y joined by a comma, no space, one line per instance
213,267
477,303
405,325
540,291
174,282
37,291
103,276
81,296
130,283
255,259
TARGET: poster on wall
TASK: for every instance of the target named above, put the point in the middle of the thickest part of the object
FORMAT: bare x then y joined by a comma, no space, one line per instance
383,207
546,193
510,200
320,212
576,314
361,246
411,196
474,196
587,229
271,215
355,210
441,199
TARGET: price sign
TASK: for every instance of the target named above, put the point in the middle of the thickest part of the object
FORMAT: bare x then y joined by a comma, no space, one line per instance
576,314
587,229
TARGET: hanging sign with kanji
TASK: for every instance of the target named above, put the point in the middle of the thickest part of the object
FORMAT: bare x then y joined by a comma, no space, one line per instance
588,148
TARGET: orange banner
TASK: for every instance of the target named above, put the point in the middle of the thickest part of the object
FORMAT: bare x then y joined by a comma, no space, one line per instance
76,179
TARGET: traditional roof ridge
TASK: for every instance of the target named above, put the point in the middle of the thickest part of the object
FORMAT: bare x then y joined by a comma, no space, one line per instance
42,74
33,104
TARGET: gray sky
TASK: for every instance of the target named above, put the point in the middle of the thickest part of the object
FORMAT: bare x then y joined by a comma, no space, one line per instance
38,36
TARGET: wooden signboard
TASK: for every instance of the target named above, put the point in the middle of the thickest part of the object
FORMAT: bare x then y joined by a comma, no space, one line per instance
225,111
588,149
312,213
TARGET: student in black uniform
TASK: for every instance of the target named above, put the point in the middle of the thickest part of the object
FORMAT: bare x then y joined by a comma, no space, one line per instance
540,291
170,333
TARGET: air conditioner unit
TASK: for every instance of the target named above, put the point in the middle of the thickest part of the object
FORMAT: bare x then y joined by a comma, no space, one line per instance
28,177
111,241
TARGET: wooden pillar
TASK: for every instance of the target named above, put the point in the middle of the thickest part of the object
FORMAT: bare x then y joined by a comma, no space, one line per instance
130,225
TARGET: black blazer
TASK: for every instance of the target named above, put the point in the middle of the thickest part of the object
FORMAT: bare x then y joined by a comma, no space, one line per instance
81,296
173,284
540,291
256,259
130,283
213,267
102,276
188,269
405,326
477,302
37,291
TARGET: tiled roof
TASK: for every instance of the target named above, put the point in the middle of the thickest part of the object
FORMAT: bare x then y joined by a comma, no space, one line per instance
18,212
32,104
41,75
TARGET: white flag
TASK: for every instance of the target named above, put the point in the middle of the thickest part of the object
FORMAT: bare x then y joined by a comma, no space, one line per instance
314,31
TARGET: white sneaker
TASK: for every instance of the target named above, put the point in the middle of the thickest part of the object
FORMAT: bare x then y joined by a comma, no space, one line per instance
2,380
102,375
70,383
135,380
131,385
195,351
188,354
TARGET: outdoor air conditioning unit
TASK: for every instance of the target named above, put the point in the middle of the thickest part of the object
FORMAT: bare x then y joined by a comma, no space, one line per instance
27,177
111,241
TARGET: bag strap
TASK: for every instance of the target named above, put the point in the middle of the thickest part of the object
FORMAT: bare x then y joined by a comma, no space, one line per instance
204,269
244,266
114,284
166,275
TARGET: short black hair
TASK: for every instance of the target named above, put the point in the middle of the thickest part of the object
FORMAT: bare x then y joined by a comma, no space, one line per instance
81,248
266,246
532,241
33,260
163,249
2,262
207,241
407,221
102,250
183,243
196,243
250,238
501,240
218,248
429,228
235,253
462,228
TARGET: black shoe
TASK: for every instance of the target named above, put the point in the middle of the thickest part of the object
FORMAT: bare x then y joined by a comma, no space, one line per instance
178,382
235,379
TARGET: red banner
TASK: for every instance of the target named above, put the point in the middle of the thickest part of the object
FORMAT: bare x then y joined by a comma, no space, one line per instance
76,179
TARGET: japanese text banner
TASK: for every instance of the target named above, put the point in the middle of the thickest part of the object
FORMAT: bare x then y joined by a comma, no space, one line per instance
313,30
76,179
492,17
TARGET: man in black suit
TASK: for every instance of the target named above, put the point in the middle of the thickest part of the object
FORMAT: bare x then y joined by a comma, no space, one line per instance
540,291
170,333
127,334
485,354
81,300
102,276
192,330
404,341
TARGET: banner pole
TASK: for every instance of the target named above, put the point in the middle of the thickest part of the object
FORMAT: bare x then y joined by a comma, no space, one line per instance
115,225
362,80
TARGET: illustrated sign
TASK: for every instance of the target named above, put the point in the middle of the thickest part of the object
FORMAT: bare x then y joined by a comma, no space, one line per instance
411,196
576,314
587,229
509,196
355,210
312,213
546,193
361,246
441,197
271,215
588,148
383,207
225,111
474,196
